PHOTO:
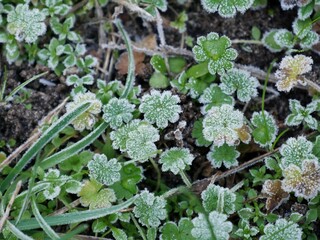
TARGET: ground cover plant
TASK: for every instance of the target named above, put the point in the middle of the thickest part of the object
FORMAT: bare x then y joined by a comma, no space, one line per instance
143,119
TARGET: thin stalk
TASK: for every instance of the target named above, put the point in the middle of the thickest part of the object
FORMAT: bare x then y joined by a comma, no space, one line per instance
185,178
312,84
278,137
142,234
235,41
5,78
156,167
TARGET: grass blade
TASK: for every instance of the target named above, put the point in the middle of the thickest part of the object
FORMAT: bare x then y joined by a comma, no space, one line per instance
15,231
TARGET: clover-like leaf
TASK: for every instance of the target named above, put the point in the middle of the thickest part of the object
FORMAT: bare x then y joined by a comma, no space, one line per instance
150,209
220,199
217,225
220,125
282,229
301,114
240,81
295,151
216,51
272,190
87,119
26,24
198,134
56,181
223,154
175,159
304,182
117,112
160,108
284,38
79,81
245,231
182,231
103,170
76,162
153,5
226,8
265,130
291,70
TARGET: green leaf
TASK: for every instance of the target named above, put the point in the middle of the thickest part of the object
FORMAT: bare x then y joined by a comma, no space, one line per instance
198,135
269,42
170,230
158,64
176,64
224,154
158,80
312,215
255,33
198,70
282,229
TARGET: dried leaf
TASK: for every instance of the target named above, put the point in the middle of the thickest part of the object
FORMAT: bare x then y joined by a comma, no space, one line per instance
274,193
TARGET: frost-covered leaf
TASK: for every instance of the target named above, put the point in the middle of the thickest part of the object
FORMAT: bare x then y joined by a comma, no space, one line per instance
304,181
216,51
170,230
224,154
103,170
220,125
240,81
274,193
284,38
79,81
289,4
117,112
309,40
265,130
72,186
295,151
302,27
56,181
198,134
160,108
175,159
219,226
226,8
216,198
149,209
305,11
269,42
152,5
282,229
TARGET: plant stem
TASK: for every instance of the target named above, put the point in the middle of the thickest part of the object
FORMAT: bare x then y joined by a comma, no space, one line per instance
156,167
185,178
235,41
138,227
312,84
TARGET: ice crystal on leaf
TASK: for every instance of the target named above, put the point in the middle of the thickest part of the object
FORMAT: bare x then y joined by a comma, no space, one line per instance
224,154
217,224
26,24
216,198
282,229
182,231
240,81
301,114
160,108
104,171
216,51
220,125
304,182
226,8
289,4
175,159
150,209
295,151
117,112
87,119
291,70
79,82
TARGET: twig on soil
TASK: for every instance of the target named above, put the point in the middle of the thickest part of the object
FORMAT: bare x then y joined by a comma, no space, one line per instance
8,208
36,134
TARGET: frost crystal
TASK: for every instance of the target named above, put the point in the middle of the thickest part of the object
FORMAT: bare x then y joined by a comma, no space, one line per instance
87,119
240,81
295,150
216,51
221,123
291,70
282,229
226,8
26,24
304,183
224,154
104,171
216,198
117,112
289,4
175,159
160,108
220,227
150,209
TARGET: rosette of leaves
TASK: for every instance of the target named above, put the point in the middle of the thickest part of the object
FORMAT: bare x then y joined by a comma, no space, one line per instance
103,170
291,70
117,112
26,24
265,130
245,231
216,51
160,108
240,81
282,229
63,30
57,182
149,209
93,194
217,225
304,181
79,82
302,29
225,154
300,114
295,151
182,231
226,8
176,159
87,119
216,198
55,7
220,125
214,96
